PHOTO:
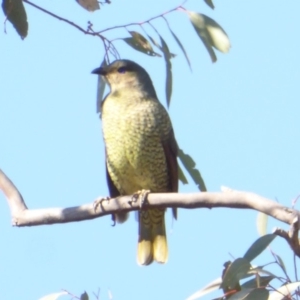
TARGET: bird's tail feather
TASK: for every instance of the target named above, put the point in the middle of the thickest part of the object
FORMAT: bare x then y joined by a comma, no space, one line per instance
152,244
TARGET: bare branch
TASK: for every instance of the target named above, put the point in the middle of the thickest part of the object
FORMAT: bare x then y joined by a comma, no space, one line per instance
179,7
13,196
108,45
21,216
58,17
292,236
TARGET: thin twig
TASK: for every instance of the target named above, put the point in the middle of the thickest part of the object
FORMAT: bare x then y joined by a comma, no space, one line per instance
146,21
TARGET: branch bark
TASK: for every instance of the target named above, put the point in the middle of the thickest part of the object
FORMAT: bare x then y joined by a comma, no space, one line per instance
22,216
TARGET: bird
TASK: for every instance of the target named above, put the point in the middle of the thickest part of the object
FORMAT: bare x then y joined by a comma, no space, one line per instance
141,150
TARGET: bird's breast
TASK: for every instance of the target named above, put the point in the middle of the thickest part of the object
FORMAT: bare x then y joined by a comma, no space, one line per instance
133,139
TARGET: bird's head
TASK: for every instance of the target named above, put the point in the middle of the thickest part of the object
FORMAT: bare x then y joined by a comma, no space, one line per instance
126,74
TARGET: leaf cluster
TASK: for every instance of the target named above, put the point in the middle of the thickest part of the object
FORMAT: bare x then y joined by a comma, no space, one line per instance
242,280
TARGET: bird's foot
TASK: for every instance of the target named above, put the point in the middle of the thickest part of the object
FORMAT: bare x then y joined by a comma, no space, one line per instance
140,196
99,201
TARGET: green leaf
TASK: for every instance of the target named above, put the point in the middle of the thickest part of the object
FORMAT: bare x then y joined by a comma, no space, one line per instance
211,34
190,165
280,261
258,281
237,270
169,81
155,43
90,5
259,246
53,296
15,13
181,176
140,43
251,294
84,296
209,3
100,88
181,47
261,223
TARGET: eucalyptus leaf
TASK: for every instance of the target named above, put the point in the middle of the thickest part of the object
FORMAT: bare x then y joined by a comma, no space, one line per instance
209,3
181,176
89,5
169,78
155,43
259,246
84,296
280,261
181,47
190,166
261,223
211,34
14,11
140,43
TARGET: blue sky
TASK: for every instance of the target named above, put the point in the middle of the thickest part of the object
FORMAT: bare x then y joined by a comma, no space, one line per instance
238,119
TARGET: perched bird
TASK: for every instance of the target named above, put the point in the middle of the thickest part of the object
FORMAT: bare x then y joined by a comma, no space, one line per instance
141,150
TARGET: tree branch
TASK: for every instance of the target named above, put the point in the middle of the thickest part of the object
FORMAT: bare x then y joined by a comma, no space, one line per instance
22,216
109,47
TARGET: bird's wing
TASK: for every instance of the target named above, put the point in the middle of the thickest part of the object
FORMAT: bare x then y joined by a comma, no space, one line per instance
113,191
119,217
171,150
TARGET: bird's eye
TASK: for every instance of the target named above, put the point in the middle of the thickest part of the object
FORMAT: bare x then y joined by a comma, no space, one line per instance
122,70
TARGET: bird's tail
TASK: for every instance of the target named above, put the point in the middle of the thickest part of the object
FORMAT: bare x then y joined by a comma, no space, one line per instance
152,244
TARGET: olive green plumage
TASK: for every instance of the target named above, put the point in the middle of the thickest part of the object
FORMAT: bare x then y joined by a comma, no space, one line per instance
141,151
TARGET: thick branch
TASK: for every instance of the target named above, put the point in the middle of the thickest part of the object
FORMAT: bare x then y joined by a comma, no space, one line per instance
22,216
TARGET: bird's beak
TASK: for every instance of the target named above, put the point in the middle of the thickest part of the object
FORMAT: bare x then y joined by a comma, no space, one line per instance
100,71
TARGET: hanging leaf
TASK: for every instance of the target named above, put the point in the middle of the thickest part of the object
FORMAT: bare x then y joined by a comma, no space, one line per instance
211,34
15,13
280,262
181,47
84,296
155,43
181,176
100,89
259,246
261,223
140,43
209,3
169,79
90,5
190,165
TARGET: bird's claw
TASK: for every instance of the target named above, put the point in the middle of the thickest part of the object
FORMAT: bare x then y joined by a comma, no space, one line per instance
99,201
140,196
